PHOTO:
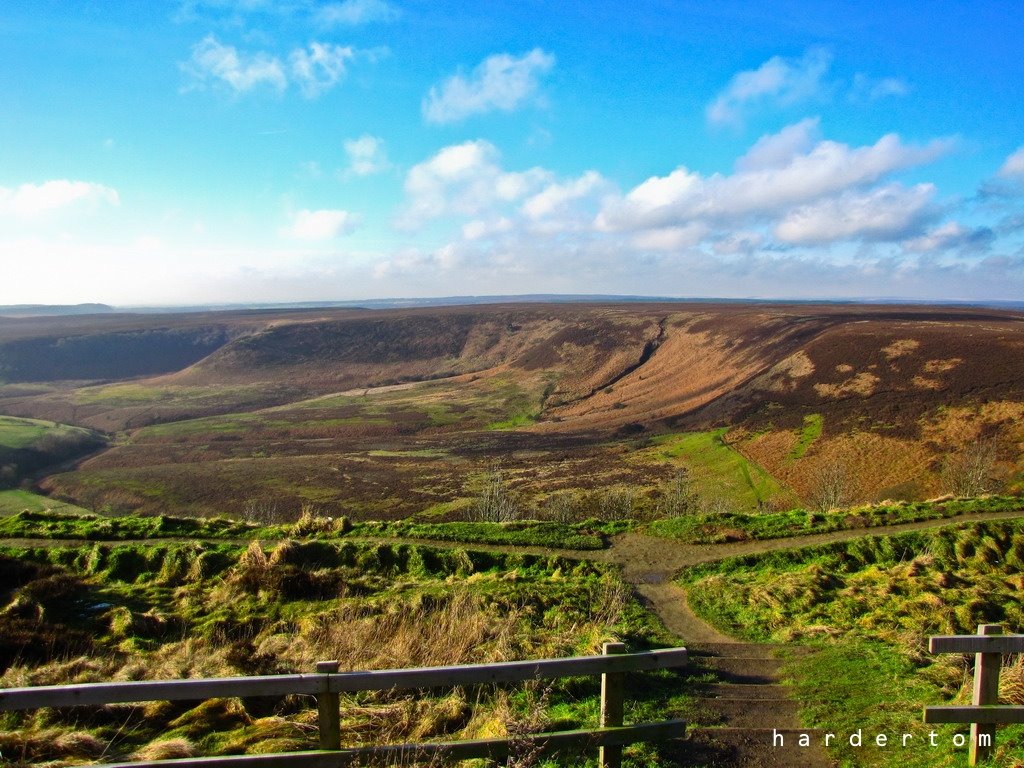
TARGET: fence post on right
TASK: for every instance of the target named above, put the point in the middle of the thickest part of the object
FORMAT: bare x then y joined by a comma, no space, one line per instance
612,695
986,691
329,709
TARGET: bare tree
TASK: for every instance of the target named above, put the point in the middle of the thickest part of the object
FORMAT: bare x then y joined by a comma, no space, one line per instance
681,496
970,471
496,502
616,504
563,507
832,486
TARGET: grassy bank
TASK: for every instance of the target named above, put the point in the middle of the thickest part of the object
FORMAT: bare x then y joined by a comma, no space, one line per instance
713,528
171,610
53,524
866,608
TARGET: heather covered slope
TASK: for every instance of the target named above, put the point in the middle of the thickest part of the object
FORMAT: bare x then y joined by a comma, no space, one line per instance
388,413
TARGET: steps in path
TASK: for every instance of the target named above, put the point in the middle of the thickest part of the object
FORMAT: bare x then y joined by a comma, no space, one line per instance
737,717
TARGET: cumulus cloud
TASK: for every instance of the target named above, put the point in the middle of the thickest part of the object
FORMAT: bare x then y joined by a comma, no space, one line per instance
670,238
761,225
464,179
355,12
556,197
777,82
323,224
500,82
319,67
763,187
366,155
31,200
213,62
889,212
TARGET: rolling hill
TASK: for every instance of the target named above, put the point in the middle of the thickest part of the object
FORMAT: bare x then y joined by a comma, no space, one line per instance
340,407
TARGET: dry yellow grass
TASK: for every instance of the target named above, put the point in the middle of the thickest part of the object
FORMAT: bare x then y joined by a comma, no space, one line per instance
900,347
863,384
166,749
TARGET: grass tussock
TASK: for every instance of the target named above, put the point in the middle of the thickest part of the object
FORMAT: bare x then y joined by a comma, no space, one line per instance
256,610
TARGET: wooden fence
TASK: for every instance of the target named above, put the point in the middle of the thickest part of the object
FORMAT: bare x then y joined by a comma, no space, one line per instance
327,683
985,712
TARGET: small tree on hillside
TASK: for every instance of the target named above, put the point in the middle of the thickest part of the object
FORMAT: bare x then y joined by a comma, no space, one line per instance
496,502
681,496
970,471
832,486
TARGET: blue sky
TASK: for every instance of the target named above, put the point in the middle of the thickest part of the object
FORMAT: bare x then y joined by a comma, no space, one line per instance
202,151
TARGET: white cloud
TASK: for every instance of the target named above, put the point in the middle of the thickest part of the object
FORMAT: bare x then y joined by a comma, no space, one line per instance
501,82
464,179
212,61
1013,168
951,236
478,229
738,242
777,82
865,88
777,150
670,238
31,200
356,12
314,69
366,155
827,168
556,197
324,224
319,67
886,213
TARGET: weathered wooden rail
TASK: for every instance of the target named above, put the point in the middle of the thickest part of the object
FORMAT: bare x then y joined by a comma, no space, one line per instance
985,712
327,683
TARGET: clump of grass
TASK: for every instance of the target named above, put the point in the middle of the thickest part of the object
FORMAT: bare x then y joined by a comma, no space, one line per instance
1011,681
312,523
33,747
166,749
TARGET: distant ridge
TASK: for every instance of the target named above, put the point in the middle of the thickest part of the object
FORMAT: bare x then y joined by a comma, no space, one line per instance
554,298
37,310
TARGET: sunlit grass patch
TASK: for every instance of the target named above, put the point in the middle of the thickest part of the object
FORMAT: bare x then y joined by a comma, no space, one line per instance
719,470
14,501
810,432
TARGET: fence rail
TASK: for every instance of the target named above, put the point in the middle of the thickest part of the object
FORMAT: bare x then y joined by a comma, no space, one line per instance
328,682
985,713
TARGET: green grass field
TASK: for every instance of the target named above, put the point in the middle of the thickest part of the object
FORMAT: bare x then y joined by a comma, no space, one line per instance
26,433
14,501
719,471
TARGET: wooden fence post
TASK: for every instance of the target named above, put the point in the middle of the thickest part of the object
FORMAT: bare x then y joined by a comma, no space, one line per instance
986,691
612,695
329,707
